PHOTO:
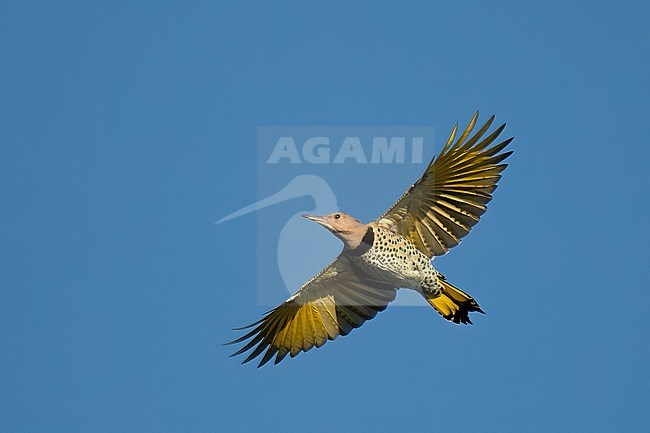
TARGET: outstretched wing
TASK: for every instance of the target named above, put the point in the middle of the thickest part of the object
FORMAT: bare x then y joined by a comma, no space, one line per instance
338,299
452,194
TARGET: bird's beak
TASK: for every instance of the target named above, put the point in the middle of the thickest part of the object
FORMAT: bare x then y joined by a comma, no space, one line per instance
319,219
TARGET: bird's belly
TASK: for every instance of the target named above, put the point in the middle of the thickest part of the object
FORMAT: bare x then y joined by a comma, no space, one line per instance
398,269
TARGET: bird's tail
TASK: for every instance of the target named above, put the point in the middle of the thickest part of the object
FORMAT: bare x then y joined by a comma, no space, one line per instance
453,304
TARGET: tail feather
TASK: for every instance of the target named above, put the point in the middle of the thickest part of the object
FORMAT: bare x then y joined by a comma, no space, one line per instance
454,304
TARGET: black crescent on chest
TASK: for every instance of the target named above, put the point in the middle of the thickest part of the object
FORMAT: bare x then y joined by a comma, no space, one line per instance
366,243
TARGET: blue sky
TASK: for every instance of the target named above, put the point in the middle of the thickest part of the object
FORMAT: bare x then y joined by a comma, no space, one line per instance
128,129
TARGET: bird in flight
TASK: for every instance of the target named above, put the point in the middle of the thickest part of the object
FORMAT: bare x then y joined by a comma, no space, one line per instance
390,253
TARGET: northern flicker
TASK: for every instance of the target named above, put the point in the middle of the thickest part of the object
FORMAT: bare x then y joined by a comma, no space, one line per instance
393,252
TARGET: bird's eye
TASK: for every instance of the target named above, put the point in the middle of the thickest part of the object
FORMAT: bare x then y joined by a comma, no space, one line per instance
337,216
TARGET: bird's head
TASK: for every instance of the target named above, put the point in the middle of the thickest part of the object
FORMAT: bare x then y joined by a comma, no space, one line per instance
345,227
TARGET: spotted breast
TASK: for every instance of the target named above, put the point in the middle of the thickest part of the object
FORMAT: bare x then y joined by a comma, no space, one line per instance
387,256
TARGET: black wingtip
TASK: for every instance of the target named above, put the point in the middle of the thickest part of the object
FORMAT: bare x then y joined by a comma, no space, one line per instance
499,130
249,326
263,362
508,141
